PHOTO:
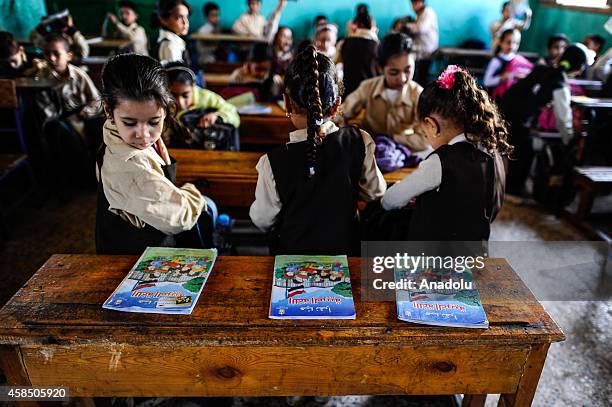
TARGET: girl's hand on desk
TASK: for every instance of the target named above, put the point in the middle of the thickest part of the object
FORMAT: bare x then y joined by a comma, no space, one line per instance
208,120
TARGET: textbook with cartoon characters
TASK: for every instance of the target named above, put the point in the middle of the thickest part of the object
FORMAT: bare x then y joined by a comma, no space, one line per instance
164,281
311,287
439,296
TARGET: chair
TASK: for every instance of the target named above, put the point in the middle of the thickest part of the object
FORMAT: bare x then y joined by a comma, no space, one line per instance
11,163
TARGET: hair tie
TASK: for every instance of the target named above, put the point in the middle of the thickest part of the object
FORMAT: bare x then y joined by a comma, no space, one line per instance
446,80
319,122
565,65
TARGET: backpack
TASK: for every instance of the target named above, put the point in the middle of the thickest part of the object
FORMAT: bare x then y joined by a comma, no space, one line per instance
219,136
519,67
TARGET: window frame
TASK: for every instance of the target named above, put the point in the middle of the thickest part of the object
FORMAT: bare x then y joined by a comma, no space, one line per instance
604,10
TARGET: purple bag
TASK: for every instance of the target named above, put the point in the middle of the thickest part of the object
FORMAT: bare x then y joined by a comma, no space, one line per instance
391,156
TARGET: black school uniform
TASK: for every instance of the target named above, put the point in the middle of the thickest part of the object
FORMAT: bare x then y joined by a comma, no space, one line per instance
319,214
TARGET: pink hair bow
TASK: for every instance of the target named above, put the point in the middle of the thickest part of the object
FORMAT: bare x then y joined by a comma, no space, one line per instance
446,80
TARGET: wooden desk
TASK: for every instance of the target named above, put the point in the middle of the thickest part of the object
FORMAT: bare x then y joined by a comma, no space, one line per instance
230,38
270,129
217,81
107,43
220,67
54,332
451,52
35,84
592,103
230,177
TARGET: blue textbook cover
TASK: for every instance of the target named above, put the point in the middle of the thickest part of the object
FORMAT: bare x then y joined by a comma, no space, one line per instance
311,287
164,281
439,297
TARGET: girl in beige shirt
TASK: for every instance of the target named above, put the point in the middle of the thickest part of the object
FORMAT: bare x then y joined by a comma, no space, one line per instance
390,100
139,204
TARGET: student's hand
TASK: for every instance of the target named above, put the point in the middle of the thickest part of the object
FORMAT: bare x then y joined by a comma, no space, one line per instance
208,120
282,4
69,21
112,18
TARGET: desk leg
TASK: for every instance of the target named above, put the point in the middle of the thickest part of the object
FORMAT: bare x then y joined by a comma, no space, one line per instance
474,400
529,380
14,371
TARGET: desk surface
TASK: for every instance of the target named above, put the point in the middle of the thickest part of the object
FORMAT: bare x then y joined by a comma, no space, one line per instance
225,38
55,333
585,101
467,52
62,302
35,83
100,42
233,165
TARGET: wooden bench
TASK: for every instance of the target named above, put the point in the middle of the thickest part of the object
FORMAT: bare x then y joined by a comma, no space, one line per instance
230,177
589,180
54,332
266,129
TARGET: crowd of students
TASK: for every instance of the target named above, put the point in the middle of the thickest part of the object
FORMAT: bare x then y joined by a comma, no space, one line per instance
307,191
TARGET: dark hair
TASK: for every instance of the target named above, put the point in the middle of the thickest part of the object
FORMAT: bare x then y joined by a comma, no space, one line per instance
208,7
277,35
392,45
574,58
556,38
128,4
470,107
55,37
319,18
260,52
312,84
8,45
302,45
179,72
505,4
164,10
363,21
362,8
502,36
138,78
597,39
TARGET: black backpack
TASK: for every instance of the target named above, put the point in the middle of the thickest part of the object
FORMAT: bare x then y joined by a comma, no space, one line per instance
219,136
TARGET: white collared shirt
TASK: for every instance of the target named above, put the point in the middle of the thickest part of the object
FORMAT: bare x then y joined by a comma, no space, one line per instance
171,47
426,177
267,205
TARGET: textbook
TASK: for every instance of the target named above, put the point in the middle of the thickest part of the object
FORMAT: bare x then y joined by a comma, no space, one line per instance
164,281
441,297
311,287
254,109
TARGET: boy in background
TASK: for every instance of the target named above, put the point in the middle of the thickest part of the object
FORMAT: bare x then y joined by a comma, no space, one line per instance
128,28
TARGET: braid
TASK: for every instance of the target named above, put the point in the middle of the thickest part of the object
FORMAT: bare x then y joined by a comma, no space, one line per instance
314,113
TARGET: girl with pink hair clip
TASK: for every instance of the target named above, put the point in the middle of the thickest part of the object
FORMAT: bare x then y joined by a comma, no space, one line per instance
457,191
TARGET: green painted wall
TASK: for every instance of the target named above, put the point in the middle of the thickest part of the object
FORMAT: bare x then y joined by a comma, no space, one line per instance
459,19
20,16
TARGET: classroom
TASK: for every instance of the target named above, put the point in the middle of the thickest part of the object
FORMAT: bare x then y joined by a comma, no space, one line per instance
306,203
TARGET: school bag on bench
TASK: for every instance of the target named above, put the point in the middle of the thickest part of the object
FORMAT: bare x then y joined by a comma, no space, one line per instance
219,136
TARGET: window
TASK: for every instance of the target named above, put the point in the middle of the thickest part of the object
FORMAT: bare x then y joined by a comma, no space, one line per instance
584,3
594,6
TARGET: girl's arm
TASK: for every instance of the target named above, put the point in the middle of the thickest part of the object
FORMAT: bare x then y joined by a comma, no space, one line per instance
227,111
354,102
563,113
491,79
372,184
426,177
267,203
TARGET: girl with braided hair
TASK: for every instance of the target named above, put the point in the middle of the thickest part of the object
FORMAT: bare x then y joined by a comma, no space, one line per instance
308,189
459,187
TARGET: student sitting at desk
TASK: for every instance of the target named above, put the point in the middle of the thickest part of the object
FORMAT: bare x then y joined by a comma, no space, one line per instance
189,96
506,67
390,100
71,141
14,62
139,204
128,28
283,42
522,103
212,16
459,187
254,24
508,22
62,24
325,39
556,47
307,190
172,18
257,72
